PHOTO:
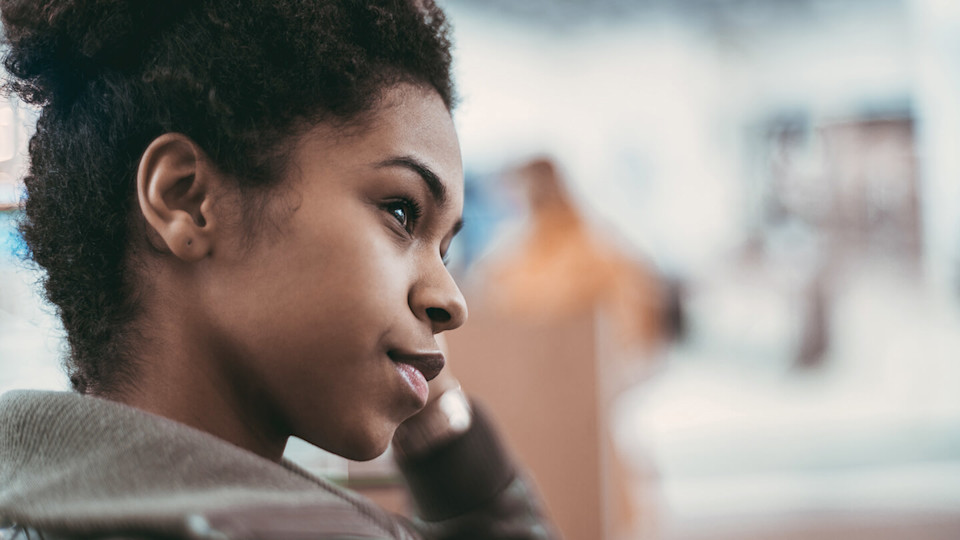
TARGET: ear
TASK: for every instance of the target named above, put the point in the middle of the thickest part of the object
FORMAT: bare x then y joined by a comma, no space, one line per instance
175,184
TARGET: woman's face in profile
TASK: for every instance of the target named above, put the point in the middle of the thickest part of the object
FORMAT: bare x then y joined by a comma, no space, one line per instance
326,318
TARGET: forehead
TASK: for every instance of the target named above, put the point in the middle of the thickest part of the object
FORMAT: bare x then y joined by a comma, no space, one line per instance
411,121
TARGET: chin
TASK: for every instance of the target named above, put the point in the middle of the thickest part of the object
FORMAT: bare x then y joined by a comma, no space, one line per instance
361,447
367,456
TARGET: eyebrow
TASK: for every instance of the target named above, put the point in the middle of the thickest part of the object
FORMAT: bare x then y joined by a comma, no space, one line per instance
436,187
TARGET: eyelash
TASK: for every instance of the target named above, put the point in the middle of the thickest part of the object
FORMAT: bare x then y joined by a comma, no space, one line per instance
411,209
414,212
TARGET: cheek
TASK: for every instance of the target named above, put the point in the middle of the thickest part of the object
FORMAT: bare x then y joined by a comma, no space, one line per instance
372,275
355,280
345,275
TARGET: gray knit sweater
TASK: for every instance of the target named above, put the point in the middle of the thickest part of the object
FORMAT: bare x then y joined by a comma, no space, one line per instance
74,465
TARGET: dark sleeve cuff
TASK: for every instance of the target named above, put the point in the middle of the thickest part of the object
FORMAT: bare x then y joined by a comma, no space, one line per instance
460,475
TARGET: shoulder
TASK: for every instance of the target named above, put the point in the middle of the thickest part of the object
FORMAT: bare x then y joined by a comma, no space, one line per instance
281,523
329,522
123,473
274,522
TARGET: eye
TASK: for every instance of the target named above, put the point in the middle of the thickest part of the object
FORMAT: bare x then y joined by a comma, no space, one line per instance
405,211
399,213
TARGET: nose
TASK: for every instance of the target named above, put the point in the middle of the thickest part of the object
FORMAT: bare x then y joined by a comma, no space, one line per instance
436,299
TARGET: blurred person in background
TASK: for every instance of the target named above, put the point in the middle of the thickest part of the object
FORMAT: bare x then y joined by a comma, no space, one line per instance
562,265
242,209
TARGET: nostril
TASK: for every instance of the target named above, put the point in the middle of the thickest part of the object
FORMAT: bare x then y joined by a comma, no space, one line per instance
438,315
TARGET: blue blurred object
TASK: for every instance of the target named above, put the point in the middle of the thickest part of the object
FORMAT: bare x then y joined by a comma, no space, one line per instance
483,213
12,246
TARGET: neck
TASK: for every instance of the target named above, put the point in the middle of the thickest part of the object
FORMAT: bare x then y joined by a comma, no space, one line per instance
182,375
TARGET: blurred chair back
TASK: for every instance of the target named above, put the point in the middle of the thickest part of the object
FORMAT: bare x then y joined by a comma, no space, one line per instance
539,380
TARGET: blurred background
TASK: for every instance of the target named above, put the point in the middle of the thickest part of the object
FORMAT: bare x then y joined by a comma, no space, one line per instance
712,253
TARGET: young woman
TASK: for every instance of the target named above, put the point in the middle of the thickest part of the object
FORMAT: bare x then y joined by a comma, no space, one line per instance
242,208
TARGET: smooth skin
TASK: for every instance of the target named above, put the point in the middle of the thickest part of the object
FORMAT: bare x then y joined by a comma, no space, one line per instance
256,331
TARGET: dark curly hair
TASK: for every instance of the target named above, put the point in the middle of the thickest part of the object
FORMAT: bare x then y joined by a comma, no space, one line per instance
239,77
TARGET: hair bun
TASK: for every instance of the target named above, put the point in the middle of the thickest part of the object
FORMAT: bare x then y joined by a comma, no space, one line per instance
56,46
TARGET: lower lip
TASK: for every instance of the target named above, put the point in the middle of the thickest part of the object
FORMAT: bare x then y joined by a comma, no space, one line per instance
415,380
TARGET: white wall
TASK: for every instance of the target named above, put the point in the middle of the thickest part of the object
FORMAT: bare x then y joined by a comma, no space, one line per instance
649,116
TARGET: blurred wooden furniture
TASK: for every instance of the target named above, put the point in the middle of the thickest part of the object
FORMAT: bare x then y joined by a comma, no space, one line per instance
539,381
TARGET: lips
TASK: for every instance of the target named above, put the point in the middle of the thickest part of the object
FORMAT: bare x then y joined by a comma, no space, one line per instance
429,364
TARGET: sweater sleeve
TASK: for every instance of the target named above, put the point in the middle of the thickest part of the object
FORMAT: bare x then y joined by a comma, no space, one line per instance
471,488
